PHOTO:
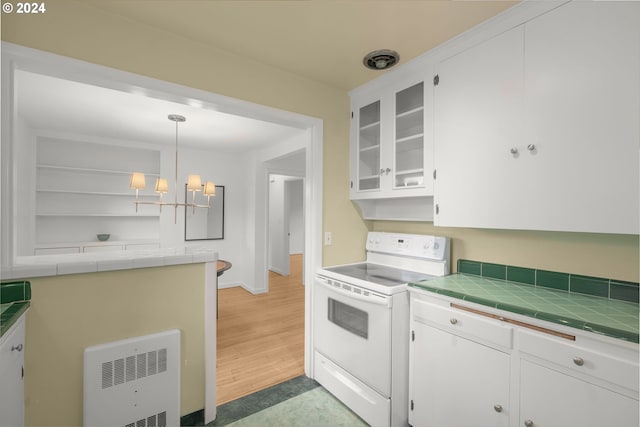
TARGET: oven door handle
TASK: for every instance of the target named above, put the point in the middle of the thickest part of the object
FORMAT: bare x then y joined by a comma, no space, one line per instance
385,301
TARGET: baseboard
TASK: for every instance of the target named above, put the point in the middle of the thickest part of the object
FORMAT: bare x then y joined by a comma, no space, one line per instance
193,419
278,271
231,285
243,286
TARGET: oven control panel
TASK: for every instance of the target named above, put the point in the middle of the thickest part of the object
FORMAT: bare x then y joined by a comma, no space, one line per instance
413,245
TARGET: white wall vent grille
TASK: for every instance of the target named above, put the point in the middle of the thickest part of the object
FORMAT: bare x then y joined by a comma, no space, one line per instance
133,367
133,382
158,420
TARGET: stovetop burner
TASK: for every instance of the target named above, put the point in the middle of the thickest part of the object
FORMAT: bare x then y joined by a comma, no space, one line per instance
379,274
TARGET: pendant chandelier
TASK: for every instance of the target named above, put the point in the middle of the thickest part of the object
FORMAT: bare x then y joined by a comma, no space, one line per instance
194,184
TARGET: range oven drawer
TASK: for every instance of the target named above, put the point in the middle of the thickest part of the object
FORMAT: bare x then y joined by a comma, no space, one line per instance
360,398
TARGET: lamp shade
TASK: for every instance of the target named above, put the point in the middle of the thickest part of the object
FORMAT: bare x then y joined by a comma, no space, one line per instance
137,181
194,183
209,188
162,186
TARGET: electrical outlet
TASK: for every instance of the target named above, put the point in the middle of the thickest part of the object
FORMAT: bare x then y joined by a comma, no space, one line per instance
328,240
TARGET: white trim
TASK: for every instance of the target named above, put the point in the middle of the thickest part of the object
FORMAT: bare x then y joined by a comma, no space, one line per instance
210,341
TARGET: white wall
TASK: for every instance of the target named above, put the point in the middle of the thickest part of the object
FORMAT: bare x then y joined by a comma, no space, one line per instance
278,225
295,190
286,221
230,170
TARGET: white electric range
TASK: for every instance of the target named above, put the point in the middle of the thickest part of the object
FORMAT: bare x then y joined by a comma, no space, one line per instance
361,323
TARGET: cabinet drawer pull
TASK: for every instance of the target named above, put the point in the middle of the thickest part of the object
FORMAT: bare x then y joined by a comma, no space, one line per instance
497,408
17,347
578,361
453,320
528,423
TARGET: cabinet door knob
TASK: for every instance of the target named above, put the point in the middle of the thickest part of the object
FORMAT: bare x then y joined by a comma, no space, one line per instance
17,347
381,171
531,147
514,151
453,320
578,361
497,408
528,423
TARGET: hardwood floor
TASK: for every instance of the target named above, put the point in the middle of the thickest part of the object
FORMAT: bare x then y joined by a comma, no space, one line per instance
260,337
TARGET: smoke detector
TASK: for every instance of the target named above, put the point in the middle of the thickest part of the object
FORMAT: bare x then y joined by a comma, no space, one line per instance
381,59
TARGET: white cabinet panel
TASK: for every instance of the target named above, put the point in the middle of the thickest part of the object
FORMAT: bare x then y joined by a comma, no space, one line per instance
620,369
478,120
447,386
11,376
553,399
539,127
582,92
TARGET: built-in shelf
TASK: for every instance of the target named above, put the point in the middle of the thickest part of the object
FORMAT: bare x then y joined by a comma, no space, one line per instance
82,189
410,112
91,170
370,148
82,214
96,193
370,126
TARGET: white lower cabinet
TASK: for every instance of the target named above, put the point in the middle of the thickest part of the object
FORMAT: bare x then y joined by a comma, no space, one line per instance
549,398
448,387
12,376
474,366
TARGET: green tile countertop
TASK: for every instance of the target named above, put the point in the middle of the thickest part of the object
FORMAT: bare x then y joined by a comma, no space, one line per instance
14,301
610,317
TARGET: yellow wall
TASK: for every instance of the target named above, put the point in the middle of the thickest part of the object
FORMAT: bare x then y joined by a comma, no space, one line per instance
76,30
602,255
72,312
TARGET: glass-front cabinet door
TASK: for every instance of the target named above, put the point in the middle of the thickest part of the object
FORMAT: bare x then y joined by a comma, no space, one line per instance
368,147
409,168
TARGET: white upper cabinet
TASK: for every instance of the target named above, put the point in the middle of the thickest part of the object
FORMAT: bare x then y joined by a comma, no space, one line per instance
478,111
366,148
408,168
539,127
391,150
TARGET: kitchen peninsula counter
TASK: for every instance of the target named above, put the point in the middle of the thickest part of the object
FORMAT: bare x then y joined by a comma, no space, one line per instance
600,315
55,265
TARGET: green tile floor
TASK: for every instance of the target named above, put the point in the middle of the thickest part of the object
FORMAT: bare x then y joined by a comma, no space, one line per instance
300,402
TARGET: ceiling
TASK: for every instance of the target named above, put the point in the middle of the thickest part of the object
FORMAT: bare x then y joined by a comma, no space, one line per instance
53,104
323,40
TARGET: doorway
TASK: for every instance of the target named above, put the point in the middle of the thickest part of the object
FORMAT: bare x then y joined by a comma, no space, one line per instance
286,221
